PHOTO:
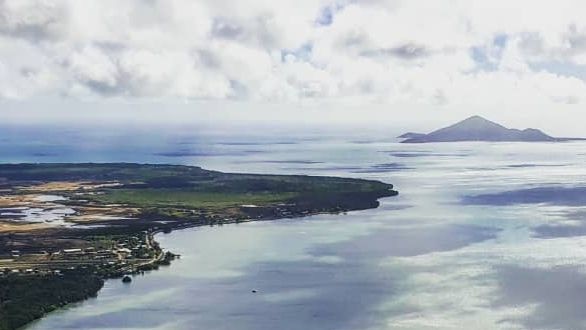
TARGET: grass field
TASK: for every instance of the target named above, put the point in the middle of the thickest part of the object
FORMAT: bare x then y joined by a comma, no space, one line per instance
189,198
176,186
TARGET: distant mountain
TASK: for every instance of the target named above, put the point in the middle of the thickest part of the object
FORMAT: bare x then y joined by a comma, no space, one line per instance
477,128
411,135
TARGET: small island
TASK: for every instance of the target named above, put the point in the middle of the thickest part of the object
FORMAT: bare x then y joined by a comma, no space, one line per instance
65,228
477,128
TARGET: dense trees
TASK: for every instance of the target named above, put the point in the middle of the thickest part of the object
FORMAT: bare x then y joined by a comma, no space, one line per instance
25,298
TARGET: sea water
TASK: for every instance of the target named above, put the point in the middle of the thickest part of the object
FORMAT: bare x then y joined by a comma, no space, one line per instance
477,239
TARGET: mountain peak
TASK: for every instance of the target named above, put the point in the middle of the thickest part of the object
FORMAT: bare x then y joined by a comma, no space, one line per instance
475,124
477,128
476,118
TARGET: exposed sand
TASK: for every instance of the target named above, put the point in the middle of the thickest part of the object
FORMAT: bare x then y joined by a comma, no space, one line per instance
87,214
83,214
68,186
11,227
17,200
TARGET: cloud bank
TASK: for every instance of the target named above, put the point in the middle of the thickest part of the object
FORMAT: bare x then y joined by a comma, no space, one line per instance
450,52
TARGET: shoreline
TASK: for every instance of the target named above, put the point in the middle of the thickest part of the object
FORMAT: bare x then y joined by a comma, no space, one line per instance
165,258
114,210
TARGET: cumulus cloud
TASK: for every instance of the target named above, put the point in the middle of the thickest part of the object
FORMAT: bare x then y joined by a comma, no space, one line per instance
383,51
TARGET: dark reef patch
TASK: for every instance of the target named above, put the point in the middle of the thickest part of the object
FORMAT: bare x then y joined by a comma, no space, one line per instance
417,154
554,231
383,168
554,195
564,230
410,242
534,165
558,294
292,161
184,153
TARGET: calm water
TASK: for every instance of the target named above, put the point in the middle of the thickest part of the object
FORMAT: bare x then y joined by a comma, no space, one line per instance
478,239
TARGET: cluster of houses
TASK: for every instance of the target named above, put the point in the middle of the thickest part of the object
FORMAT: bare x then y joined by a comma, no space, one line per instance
87,253
133,247
28,271
76,253
120,253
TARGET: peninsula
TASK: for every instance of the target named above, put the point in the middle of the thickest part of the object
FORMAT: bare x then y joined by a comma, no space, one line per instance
477,128
65,228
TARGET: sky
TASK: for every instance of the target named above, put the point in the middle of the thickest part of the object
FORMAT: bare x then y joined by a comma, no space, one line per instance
412,63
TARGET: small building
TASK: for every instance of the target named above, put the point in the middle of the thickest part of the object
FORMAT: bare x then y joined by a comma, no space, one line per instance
123,253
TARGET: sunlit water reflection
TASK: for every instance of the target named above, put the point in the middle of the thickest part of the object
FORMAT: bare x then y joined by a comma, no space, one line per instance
447,253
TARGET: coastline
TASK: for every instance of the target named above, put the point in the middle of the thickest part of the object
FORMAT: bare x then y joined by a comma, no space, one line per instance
70,226
165,258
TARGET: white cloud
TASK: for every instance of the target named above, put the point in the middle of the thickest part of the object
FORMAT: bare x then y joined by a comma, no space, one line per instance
452,52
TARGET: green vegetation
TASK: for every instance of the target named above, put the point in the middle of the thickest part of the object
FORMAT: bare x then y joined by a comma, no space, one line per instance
181,195
97,172
26,298
188,198
206,197
140,176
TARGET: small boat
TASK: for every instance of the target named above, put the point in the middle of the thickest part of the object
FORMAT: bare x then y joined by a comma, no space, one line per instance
126,279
